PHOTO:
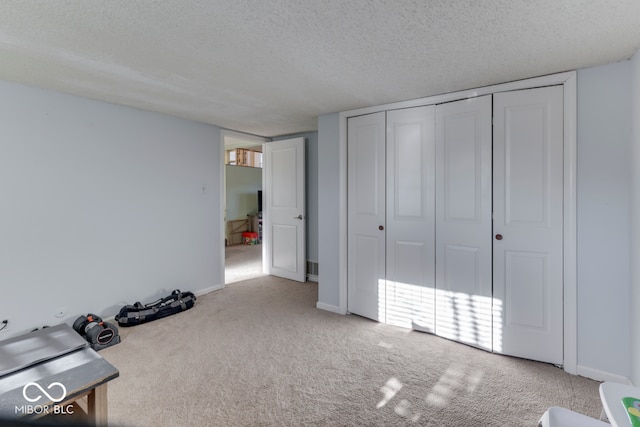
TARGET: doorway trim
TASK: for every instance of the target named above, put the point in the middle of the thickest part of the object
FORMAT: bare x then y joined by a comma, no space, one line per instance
569,82
230,137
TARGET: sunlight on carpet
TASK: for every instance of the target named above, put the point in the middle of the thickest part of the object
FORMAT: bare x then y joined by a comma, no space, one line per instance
258,353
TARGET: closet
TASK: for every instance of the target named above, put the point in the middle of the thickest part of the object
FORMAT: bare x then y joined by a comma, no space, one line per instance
463,222
391,217
455,220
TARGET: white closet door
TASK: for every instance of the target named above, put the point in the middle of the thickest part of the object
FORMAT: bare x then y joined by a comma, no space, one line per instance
366,216
410,218
528,222
463,221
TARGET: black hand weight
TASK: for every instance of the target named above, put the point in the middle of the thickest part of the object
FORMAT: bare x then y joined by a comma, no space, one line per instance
96,331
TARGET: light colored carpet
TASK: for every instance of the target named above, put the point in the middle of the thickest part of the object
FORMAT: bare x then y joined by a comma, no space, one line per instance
258,353
242,262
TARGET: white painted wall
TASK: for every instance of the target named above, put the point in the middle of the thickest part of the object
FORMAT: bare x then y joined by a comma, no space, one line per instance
102,205
634,337
603,182
329,212
243,183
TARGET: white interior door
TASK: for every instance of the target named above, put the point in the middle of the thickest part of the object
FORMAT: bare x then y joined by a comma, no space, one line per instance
410,218
284,231
463,221
528,224
366,216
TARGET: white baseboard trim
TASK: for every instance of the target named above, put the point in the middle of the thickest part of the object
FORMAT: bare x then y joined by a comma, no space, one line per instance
329,307
196,293
598,375
204,291
207,290
312,278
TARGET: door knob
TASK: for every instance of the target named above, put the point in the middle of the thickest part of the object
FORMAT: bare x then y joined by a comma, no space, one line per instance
498,236
381,227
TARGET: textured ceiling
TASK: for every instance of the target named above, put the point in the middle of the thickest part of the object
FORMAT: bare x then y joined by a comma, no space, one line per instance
271,67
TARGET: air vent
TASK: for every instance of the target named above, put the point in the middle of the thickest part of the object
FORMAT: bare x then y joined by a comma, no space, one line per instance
312,271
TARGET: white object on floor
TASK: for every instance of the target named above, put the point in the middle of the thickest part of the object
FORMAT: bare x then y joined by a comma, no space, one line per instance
611,395
562,417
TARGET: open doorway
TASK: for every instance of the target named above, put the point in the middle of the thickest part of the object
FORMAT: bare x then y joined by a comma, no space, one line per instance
242,206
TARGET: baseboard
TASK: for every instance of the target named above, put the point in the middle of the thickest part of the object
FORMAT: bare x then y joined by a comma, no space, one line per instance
207,290
598,375
204,291
329,307
312,278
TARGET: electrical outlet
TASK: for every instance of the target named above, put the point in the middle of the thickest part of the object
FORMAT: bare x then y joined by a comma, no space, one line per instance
60,312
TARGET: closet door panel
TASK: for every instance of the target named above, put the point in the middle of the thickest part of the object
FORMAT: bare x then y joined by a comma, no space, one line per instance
528,215
410,218
463,222
366,215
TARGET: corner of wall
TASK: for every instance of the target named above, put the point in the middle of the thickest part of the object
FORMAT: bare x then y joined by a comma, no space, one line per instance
330,308
599,375
635,219
328,210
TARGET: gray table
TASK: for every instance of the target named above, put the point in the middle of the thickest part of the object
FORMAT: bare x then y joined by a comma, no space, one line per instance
39,385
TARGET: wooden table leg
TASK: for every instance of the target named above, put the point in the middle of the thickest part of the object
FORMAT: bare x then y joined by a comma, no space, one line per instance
97,410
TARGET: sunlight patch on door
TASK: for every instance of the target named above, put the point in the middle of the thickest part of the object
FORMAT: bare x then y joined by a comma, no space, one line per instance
464,318
498,321
382,301
410,306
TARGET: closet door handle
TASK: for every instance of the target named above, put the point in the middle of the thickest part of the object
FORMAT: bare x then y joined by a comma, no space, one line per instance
498,236
381,227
